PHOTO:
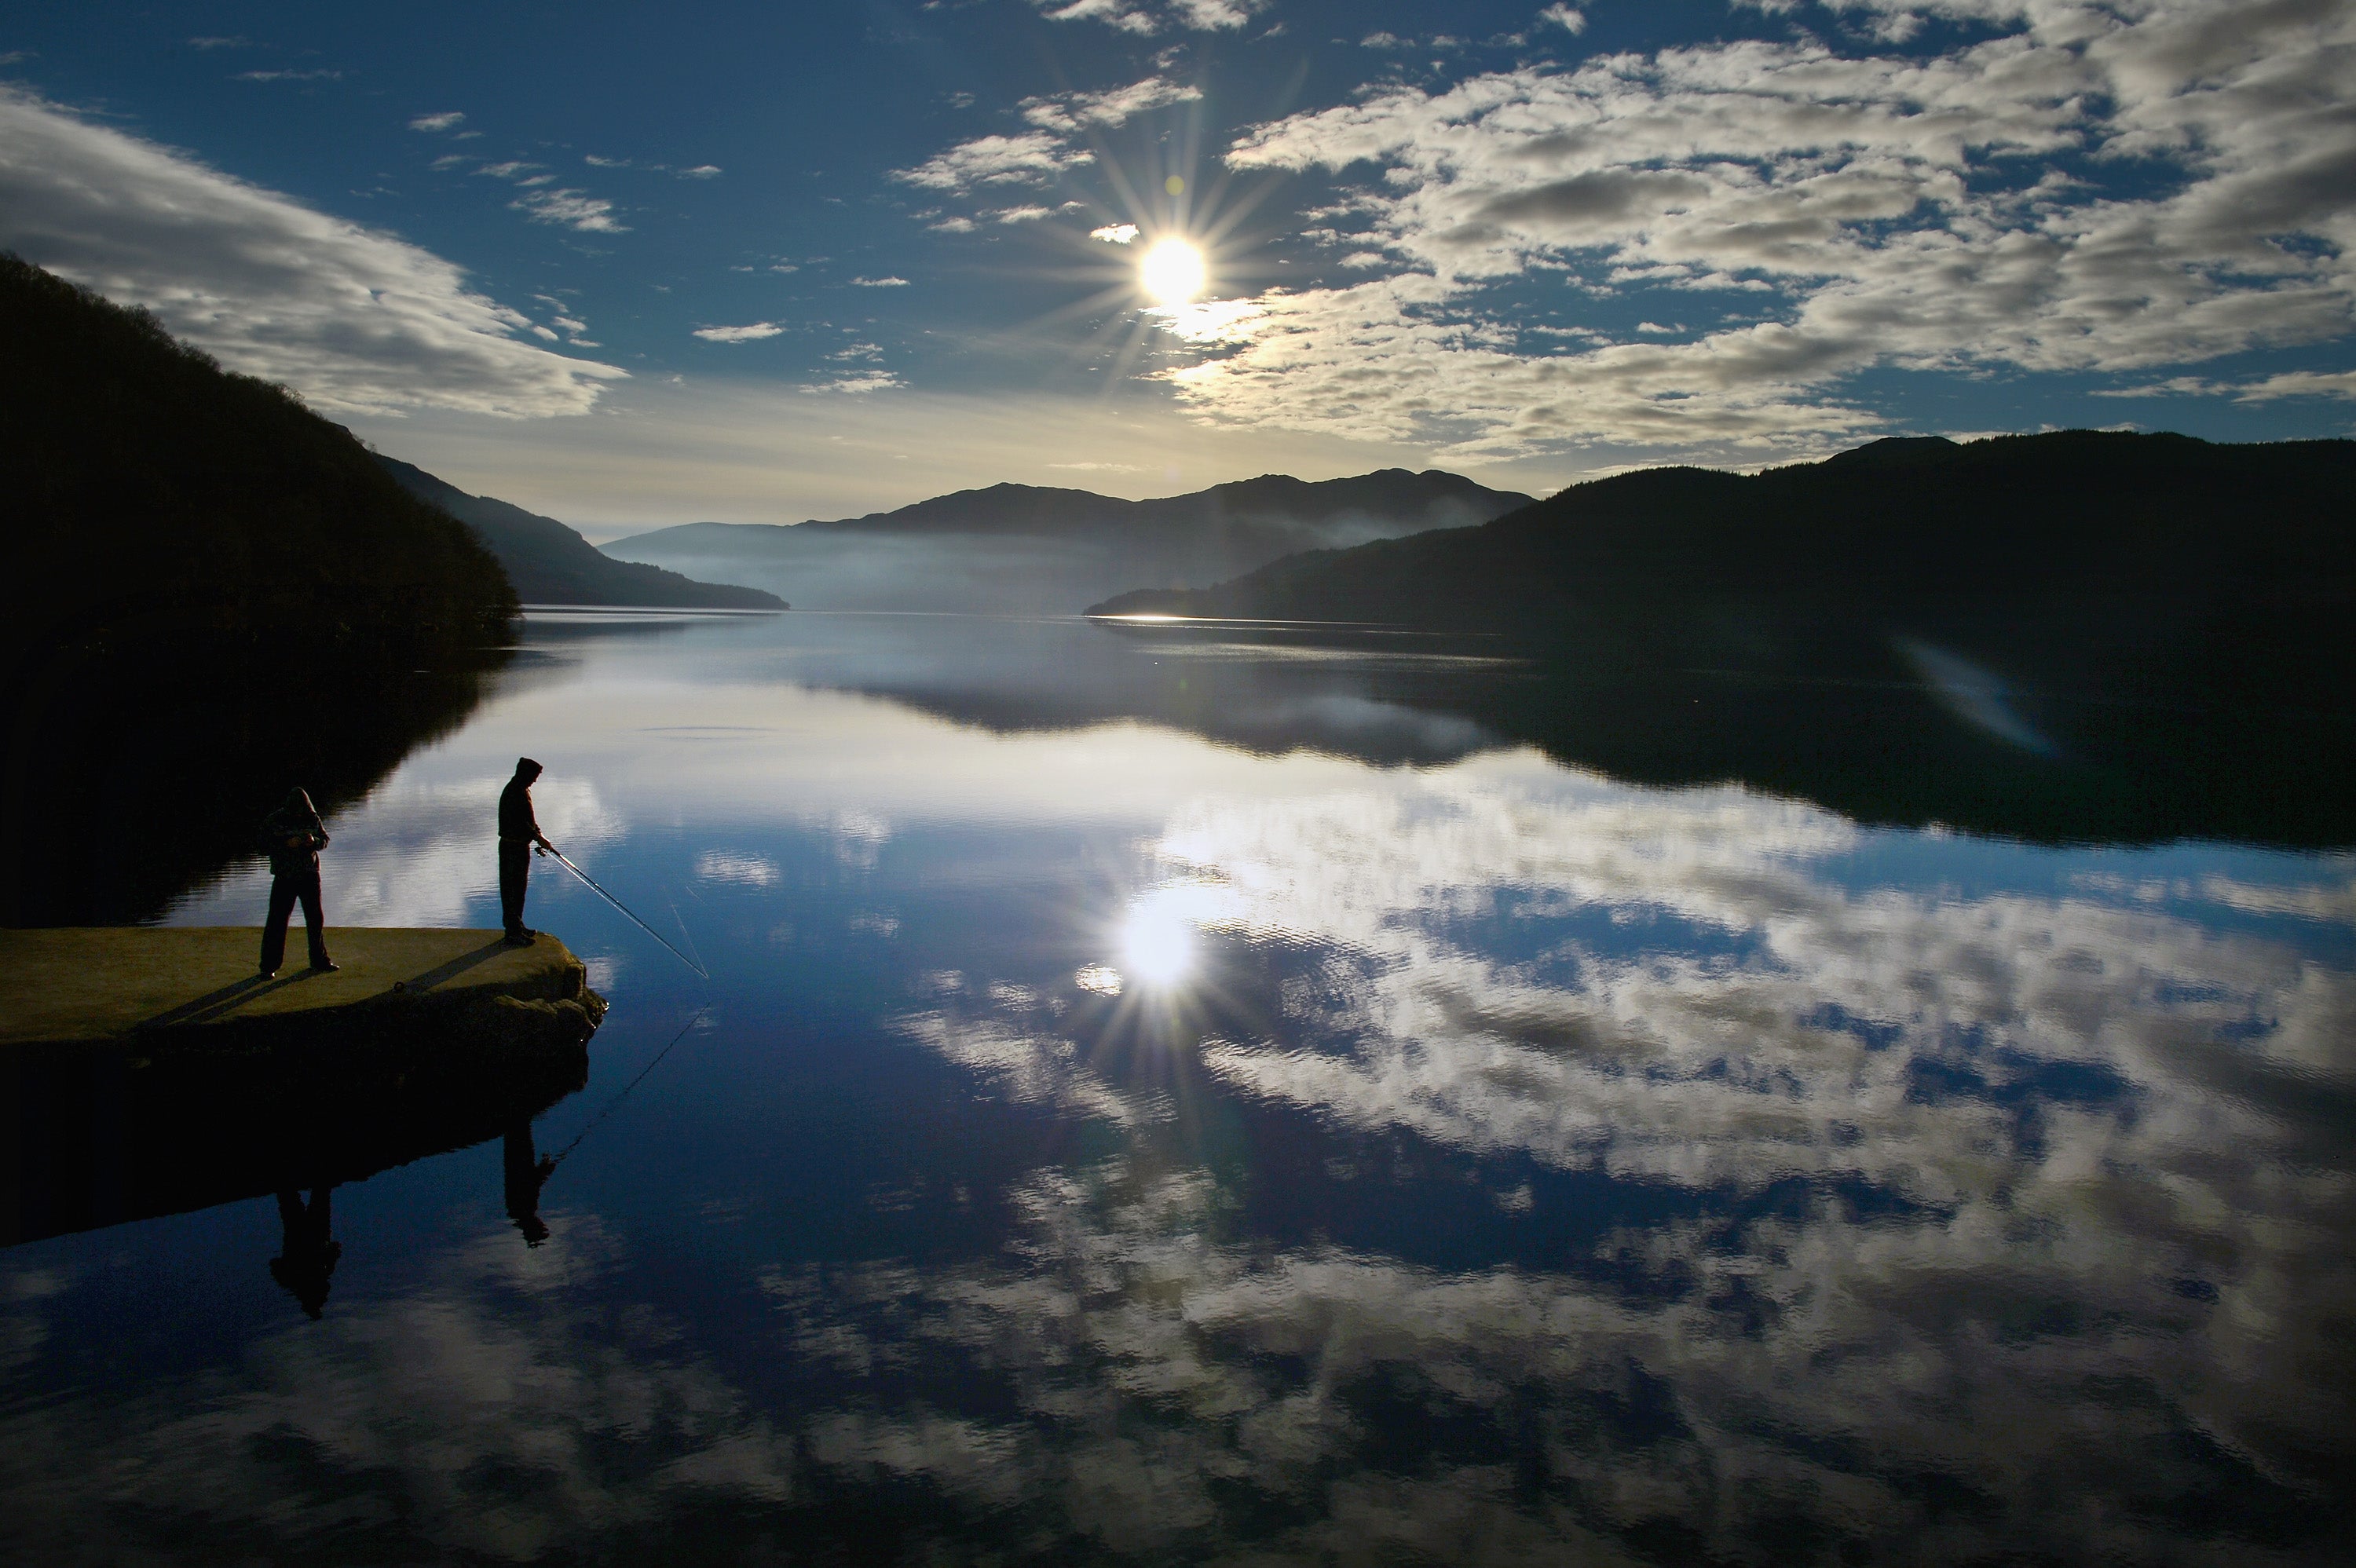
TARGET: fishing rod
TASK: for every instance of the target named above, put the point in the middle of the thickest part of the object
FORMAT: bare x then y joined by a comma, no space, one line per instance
701,973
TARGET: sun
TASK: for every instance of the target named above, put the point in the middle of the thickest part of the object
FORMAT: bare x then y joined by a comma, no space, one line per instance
1172,271
1157,946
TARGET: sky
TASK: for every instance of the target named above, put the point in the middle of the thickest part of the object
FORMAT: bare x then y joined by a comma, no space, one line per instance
634,265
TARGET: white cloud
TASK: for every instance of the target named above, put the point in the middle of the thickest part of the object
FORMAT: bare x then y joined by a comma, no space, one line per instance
858,383
351,319
1892,210
1020,214
1068,112
746,871
997,160
573,209
1567,18
700,172
290,76
749,334
879,283
1145,18
1042,154
1115,233
2299,384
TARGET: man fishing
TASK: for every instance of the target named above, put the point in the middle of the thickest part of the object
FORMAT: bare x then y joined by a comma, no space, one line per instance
292,836
519,831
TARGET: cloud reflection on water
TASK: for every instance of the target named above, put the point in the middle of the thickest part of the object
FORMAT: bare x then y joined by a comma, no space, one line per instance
1686,1174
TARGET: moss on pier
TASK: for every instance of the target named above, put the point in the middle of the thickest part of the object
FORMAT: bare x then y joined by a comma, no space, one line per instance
194,988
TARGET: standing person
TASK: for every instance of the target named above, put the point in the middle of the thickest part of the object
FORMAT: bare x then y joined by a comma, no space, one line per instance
519,831
307,1254
292,836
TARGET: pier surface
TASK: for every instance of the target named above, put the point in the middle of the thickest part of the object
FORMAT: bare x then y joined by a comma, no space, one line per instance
96,984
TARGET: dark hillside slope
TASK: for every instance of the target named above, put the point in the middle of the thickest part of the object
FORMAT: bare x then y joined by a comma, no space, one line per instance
1671,566
214,594
552,564
142,476
2155,624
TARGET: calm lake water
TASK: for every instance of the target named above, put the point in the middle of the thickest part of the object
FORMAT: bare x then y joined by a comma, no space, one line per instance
1169,1099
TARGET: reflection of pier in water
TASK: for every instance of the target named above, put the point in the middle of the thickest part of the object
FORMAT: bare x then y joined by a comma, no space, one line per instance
97,1136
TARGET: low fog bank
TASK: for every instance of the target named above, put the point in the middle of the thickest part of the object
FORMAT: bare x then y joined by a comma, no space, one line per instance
1019,549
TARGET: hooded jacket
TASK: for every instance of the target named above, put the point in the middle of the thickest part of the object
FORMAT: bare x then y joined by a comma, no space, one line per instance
299,819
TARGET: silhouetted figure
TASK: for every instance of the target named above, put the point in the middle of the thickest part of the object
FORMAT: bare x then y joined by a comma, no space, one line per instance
292,836
526,1176
307,1254
519,831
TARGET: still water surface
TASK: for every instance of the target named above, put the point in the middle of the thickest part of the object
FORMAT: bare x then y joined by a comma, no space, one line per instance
1352,1139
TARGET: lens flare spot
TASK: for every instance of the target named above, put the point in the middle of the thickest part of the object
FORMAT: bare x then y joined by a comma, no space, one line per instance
1157,946
1172,271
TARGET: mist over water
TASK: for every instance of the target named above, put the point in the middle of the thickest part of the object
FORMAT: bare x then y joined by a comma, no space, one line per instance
1207,1099
1009,551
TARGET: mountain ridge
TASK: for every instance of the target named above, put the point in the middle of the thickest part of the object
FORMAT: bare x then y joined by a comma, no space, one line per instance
2090,511
1023,548
992,508
552,564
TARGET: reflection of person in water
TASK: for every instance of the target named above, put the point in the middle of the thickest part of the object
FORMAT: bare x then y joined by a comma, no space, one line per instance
307,1254
526,1176
519,831
292,836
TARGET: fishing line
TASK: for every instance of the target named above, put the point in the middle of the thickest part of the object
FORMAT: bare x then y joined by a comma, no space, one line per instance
701,973
684,934
614,1104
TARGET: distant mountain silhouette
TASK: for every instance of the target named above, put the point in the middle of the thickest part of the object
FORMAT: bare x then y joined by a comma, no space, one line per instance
214,595
1023,548
552,564
2132,541
2169,623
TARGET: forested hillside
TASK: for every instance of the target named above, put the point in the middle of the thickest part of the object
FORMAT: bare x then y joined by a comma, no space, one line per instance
216,595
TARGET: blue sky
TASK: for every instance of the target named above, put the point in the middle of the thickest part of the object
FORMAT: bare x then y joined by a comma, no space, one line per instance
635,265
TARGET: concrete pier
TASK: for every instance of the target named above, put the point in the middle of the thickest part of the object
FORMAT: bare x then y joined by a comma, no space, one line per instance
148,1071
195,987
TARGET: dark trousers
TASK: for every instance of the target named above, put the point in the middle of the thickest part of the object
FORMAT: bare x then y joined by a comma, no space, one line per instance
515,873
285,888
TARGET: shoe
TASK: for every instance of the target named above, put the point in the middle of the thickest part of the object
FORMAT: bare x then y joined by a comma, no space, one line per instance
520,938
268,974
329,967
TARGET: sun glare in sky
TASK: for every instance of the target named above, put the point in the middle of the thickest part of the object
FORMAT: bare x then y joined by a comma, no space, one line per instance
1172,271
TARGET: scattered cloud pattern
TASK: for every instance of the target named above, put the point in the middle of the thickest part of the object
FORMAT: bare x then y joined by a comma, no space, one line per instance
571,209
1145,18
353,319
2072,188
1937,1174
1041,153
